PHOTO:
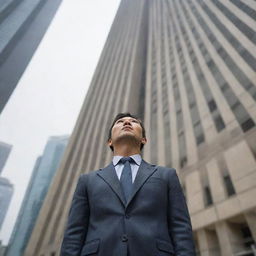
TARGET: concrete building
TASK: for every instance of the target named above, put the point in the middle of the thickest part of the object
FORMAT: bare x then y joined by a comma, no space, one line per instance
42,175
5,150
6,192
187,68
23,24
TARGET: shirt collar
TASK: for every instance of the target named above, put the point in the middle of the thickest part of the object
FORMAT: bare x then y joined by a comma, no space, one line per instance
137,159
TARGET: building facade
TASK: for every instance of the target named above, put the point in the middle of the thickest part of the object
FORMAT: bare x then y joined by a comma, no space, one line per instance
187,68
42,175
23,24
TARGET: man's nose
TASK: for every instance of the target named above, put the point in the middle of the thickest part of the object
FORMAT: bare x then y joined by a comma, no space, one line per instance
127,122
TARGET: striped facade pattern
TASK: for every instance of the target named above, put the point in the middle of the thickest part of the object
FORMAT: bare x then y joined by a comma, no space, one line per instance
187,68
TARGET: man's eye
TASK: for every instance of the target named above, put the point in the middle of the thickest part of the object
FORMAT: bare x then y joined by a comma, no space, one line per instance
119,121
135,121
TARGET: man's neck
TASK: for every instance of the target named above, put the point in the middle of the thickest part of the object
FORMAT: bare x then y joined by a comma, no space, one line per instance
126,150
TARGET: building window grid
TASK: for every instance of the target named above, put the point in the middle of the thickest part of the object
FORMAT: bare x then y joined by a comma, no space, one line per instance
199,137
179,116
165,99
245,8
234,68
245,121
244,53
153,119
244,28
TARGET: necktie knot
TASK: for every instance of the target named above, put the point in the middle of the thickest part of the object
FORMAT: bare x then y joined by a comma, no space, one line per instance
123,160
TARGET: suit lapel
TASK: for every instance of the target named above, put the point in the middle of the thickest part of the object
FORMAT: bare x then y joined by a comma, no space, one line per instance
108,174
144,172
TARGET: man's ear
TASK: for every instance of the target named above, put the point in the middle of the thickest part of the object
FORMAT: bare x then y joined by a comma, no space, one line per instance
109,142
144,141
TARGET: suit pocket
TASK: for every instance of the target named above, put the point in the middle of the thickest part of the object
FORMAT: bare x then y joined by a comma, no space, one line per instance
91,247
165,247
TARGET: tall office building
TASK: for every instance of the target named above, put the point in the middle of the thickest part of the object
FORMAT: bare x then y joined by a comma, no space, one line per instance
42,175
187,68
5,150
23,24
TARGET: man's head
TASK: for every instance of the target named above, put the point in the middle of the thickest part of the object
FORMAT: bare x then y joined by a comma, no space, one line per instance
126,126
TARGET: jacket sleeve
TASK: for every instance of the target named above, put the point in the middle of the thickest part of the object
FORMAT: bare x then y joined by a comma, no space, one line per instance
78,219
180,228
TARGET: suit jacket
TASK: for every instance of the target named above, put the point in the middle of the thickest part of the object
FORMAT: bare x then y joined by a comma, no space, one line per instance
153,222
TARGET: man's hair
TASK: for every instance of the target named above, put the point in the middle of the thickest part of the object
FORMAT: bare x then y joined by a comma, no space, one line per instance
127,114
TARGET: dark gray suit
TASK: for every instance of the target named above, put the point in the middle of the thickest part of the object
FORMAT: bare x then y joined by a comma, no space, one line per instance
154,222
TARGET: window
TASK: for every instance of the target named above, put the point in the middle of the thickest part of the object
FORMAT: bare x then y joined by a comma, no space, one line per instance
219,123
229,185
183,161
247,125
212,105
208,196
247,236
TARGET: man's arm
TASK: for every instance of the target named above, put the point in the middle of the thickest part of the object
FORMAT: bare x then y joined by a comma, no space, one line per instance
78,219
179,220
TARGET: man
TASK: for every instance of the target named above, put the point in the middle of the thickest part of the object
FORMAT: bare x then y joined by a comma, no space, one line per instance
130,207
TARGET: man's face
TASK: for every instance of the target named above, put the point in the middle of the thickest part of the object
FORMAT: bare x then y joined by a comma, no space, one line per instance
127,127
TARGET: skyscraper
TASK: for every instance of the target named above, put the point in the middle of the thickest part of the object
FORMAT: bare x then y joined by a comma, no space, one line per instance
187,68
43,172
23,24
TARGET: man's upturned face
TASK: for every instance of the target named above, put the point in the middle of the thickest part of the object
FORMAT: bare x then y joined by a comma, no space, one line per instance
127,128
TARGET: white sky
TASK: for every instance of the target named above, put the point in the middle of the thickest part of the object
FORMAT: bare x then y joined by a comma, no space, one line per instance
50,94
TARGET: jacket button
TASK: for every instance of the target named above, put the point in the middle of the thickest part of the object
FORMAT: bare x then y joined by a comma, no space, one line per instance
127,216
124,238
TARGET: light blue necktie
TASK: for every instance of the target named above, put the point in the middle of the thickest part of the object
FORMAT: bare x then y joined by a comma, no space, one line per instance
126,177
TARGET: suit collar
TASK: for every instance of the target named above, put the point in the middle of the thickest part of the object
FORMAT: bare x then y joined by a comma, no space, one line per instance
108,174
137,159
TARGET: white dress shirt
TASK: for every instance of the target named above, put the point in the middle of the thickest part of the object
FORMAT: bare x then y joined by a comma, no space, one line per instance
134,165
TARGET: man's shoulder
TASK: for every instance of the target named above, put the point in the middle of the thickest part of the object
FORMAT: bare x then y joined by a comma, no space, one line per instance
164,169
163,172
90,174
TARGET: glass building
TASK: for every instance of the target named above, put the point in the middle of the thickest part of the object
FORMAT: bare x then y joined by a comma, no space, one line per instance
23,24
41,178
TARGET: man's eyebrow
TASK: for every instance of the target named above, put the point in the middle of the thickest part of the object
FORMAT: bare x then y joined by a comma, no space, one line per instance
133,119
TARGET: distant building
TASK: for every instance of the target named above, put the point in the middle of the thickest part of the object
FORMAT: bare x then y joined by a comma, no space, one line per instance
43,172
6,192
5,150
23,24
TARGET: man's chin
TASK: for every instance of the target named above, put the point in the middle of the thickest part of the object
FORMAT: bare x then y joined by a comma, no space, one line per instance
127,137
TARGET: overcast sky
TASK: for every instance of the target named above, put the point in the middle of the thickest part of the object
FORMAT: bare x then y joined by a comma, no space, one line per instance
50,93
